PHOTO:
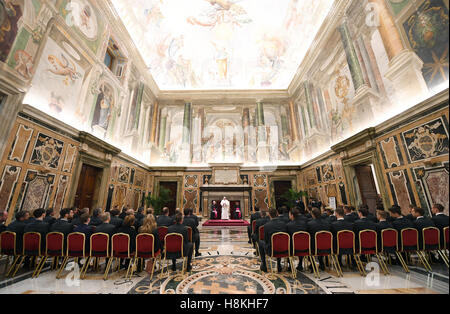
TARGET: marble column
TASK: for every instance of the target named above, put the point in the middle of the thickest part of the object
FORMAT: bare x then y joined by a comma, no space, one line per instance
310,106
154,124
405,67
352,57
294,123
246,126
162,133
187,122
262,147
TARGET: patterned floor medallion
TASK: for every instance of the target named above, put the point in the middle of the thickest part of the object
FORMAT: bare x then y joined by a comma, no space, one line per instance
226,275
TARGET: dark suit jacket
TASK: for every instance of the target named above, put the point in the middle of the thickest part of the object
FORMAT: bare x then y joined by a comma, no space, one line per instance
399,224
441,221
50,220
270,228
117,222
296,225
410,217
330,219
259,223
350,218
255,216
107,228
40,227
188,221
285,218
372,218
164,221
62,226
18,227
95,221
88,231
364,224
382,225
181,229
420,224
315,226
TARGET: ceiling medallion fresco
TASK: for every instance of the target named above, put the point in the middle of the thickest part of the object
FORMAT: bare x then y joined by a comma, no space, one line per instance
223,44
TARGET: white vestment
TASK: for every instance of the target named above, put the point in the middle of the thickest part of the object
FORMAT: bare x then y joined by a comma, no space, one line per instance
225,209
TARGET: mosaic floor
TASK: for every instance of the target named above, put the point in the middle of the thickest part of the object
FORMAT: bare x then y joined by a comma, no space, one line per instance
228,266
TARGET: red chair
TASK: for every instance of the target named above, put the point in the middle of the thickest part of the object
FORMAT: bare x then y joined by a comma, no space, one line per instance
121,250
54,248
75,249
345,245
281,247
389,245
445,245
368,246
191,240
145,249
99,249
32,249
431,243
253,226
324,248
260,238
173,244
409,239
8,248
301,247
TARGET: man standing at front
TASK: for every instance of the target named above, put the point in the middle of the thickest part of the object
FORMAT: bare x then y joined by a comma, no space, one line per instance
225,209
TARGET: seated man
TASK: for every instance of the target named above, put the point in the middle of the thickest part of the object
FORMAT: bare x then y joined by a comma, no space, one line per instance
237,214
106,226
265,247
189,221
39,226
283,213
50,216
18,227
349,214
314,226
178,227
63,225
296,224
440,220
255,216
259,223
382,224
340,225
421,223
115,220
87,230
164,220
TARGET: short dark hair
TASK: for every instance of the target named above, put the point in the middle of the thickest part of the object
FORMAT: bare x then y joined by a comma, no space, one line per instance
316,213
379,207
256,209
273,212
84,218
295,212
38,213
396,209
178,218
187,211
49,211
263,213
339,212
419,210
64,212
20,214
364,211
383,214
114,212
140,210
347,208
439,207
96,212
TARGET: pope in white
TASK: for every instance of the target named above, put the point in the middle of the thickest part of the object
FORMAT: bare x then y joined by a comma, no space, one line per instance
225,209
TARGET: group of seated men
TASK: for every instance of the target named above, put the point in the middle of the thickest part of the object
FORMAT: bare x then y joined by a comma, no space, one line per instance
343,218
128,221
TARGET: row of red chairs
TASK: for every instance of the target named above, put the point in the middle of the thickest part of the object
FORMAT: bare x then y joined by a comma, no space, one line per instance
368,246
99,248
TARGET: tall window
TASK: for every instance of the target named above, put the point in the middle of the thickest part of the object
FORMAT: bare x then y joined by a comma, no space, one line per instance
115,60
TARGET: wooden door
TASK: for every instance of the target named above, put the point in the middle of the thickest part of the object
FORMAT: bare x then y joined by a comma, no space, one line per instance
173,188
367,186
87,187
280,188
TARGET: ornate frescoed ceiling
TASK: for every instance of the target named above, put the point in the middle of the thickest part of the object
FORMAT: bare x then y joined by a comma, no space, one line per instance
223,44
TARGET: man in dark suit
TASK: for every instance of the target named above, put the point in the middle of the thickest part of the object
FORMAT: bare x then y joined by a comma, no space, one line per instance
284,216
164,220
140,215
349,214
399,223
340,225
106,226
363,223
95,220
303,214
410,216
39,226
76,221
178,227
86,229
115,220
314,226
18,227
421,223
328,215
255,216
296,224
50,216
190,221
440,220
62,224
3,218
265,247
259,223
382,224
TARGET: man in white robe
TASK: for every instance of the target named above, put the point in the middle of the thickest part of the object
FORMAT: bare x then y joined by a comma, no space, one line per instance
225,209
